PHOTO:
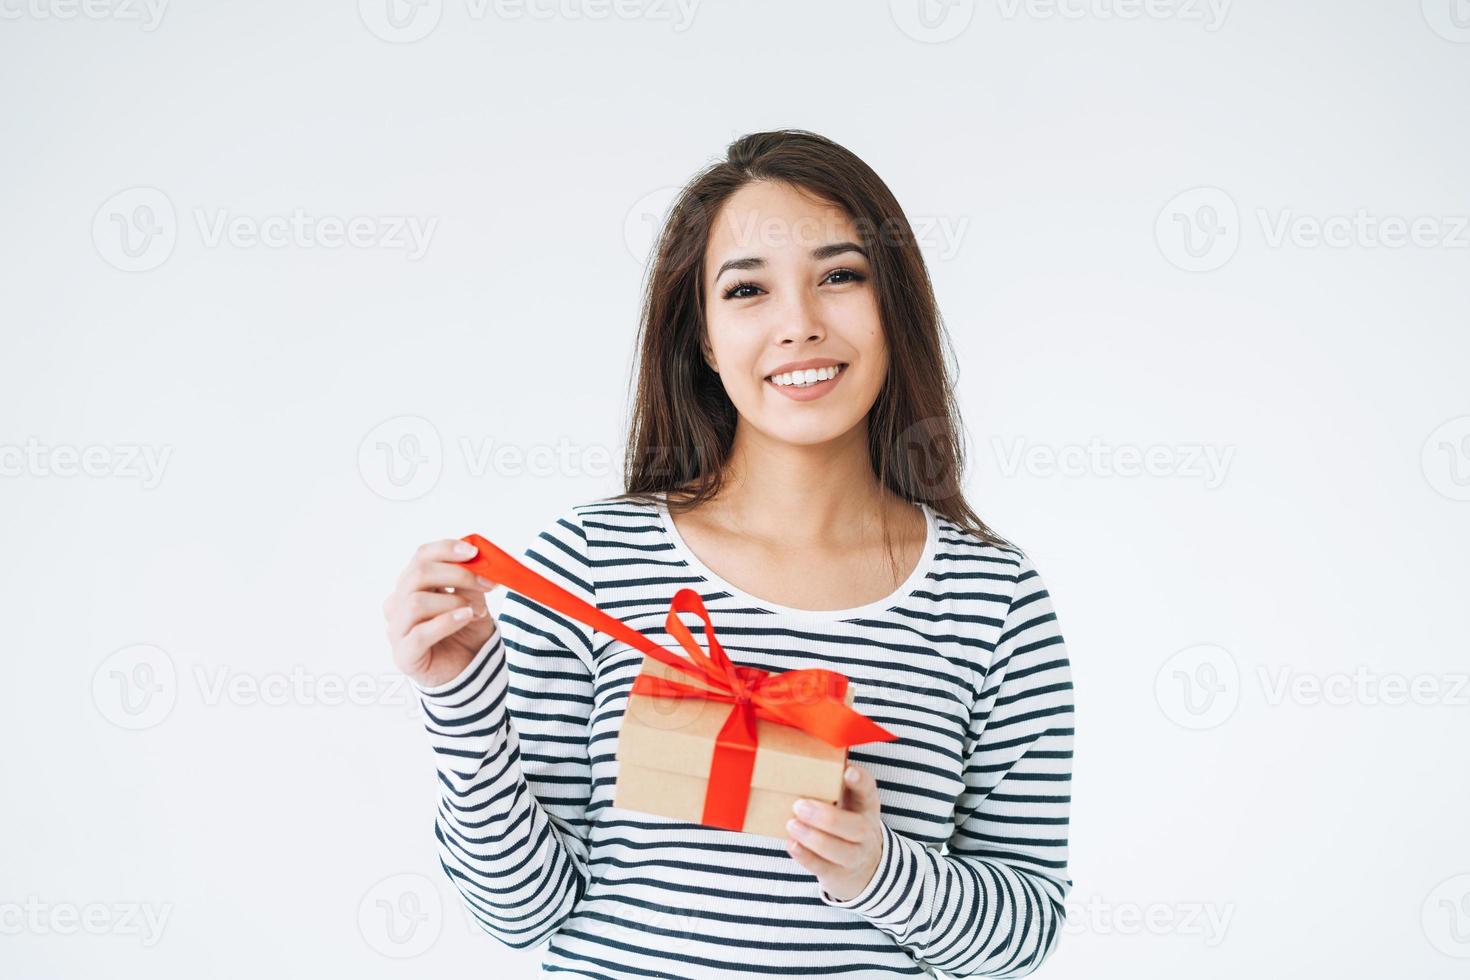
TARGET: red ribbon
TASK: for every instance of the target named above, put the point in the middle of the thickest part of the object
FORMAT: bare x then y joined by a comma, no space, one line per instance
811,699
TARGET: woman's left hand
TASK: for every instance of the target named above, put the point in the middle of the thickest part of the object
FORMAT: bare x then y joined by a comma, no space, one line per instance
841,845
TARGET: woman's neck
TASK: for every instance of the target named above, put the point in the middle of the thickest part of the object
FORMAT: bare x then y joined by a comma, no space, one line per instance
802,494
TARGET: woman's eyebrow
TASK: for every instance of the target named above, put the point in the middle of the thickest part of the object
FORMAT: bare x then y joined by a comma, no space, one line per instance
819,253
837,248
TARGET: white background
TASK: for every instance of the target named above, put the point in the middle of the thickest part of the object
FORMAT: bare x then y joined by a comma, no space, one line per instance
1269,651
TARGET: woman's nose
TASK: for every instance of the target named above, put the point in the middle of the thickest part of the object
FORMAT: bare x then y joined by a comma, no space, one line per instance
800,320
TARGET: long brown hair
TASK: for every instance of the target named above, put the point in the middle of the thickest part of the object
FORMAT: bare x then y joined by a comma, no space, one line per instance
682,426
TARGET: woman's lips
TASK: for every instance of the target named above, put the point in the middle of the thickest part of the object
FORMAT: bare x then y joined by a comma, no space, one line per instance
810,392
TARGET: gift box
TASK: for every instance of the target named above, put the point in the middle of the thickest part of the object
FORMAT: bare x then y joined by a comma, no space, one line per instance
703,739
666,749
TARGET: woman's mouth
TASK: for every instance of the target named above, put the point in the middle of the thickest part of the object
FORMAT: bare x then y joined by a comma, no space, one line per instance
803,386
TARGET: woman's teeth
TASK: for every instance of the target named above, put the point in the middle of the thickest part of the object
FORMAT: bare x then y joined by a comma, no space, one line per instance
807,378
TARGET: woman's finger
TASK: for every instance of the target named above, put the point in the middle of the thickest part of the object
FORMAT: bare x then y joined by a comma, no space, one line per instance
834,820
860,794
811,860
436,575
445,549
830,847
431,631
407,611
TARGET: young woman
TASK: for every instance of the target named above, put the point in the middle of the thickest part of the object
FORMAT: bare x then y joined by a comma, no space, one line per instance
794,456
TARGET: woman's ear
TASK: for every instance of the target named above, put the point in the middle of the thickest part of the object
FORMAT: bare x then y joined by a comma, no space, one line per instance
709,357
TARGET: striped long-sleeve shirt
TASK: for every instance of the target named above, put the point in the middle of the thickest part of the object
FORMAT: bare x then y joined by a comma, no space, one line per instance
964,663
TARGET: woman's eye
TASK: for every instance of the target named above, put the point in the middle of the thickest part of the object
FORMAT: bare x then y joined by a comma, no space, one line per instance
730,293
735,291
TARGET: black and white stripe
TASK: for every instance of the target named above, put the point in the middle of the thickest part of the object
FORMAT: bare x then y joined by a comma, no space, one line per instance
966,666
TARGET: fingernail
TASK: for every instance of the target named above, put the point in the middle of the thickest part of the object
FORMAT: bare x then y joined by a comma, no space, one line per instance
795,828
485,581
464,549
851,775
803,808
463,612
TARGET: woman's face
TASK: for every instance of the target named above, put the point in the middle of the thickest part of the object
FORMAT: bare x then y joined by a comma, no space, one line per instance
787,280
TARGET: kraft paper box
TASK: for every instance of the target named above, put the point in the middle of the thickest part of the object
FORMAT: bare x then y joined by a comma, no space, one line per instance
666,746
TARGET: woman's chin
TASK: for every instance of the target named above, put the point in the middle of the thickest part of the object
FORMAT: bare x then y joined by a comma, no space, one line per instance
811,431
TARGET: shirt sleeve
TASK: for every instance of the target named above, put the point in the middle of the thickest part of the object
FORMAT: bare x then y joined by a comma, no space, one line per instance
510,740
993,905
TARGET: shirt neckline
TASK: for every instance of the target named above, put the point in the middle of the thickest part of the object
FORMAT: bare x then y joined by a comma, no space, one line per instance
919,573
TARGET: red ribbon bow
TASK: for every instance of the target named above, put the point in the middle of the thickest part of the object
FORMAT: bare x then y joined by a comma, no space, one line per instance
811,699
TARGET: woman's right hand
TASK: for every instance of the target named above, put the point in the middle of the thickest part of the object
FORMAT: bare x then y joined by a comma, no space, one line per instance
436,614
